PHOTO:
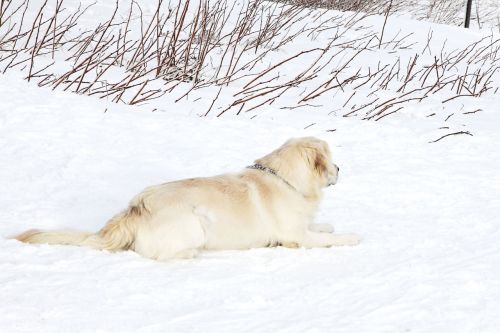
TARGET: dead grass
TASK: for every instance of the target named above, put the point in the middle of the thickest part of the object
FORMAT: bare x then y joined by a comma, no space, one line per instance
187,47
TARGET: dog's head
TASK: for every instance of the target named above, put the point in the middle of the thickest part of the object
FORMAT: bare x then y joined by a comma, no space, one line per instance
305,163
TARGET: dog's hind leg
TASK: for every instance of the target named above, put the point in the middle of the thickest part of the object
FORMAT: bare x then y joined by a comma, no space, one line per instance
186,254
171,233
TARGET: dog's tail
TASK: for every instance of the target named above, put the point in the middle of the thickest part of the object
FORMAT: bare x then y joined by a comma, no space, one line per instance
118,234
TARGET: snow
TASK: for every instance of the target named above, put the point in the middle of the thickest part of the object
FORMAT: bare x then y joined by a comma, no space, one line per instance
484,13
427,212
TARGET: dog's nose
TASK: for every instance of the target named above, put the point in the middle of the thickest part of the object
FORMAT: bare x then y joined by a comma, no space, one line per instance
338,169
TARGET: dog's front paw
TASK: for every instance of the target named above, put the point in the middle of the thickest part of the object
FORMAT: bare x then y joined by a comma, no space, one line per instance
321,227
349,239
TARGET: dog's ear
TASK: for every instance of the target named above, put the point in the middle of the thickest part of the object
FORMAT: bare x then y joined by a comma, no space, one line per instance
320,162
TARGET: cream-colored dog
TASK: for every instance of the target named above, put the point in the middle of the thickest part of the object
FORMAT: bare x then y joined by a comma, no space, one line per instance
270,203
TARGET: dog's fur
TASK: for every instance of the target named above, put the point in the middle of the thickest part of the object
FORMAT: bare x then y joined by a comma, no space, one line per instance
253,208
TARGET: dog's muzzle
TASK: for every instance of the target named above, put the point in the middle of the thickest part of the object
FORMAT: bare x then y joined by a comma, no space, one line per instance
333,181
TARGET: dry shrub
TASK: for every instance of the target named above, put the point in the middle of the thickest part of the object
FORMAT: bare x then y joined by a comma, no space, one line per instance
262,53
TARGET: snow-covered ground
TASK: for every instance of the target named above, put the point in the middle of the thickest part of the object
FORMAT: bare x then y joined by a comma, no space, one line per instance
485,14
427,212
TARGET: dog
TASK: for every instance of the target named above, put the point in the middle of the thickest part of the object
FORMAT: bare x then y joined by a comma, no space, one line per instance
270,203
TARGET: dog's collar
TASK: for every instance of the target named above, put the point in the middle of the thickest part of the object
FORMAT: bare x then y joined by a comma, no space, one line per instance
272,172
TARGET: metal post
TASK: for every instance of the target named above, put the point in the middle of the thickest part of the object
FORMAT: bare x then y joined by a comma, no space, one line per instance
467,13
